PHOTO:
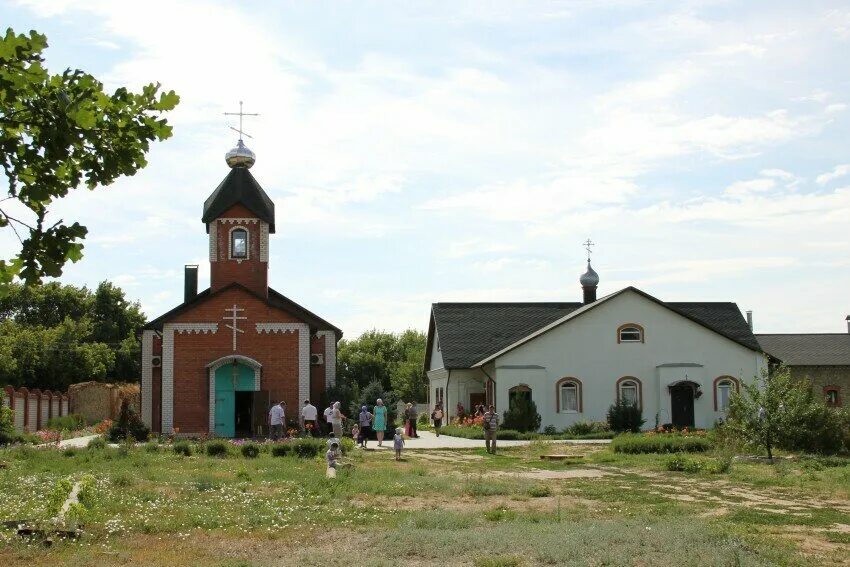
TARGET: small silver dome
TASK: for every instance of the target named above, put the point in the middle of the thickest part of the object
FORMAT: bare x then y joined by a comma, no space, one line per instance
240,156
590,278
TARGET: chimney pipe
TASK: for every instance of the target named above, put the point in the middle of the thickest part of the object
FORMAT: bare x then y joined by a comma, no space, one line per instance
750,319
848,323
190,282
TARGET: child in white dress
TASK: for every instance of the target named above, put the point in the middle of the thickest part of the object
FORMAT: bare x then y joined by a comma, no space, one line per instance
398,443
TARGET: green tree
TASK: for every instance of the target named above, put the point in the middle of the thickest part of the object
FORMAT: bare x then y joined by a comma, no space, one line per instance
56,133
54,335
777,411
396,361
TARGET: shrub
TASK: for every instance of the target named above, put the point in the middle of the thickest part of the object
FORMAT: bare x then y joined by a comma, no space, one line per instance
250,450
152,447
346,445
183,448
97,443
550,430
281,450
624,416
129,424
522,415
216,448
633,443
308,448
70,422
7,423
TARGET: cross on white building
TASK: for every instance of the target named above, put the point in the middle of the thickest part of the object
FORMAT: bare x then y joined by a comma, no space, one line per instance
233,318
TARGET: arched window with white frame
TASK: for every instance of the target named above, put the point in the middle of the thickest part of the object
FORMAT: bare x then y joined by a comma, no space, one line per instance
239,244
630,333
568,395
724,387
630,390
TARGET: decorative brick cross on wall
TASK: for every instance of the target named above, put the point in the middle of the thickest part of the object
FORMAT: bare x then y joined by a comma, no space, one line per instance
234,317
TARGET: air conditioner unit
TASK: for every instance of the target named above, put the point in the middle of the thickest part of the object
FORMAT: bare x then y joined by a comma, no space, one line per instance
317,359
156,361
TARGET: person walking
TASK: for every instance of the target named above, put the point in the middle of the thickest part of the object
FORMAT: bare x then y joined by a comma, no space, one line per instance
408,432
328,413
437,418
413,417
309,413
365,421
277,417
491,426
380,423
336,420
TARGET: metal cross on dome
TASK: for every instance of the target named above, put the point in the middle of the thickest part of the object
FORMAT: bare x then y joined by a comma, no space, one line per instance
587,245
233,318
240,114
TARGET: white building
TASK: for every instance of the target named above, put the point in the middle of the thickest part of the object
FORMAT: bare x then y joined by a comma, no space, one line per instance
678,361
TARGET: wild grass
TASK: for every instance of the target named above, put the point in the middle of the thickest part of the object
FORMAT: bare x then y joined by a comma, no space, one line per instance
418,511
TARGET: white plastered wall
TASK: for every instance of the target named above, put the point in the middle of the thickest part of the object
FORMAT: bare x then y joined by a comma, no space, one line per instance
586,348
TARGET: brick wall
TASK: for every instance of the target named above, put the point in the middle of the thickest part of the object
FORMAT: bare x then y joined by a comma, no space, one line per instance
277,352
32,409
251,272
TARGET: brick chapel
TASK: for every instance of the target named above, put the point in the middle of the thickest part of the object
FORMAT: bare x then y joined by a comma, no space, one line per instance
215,363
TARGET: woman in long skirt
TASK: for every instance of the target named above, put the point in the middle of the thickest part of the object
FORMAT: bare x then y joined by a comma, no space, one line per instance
380,423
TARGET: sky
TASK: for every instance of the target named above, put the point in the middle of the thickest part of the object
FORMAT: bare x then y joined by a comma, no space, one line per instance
462,151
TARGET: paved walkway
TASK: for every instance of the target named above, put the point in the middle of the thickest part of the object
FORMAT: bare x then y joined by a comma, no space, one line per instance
427,440
77,442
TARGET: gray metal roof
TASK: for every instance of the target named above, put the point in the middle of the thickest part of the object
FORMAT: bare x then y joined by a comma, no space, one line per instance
816,349
472,332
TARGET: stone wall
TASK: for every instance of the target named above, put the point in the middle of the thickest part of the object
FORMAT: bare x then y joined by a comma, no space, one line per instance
824,376
96,401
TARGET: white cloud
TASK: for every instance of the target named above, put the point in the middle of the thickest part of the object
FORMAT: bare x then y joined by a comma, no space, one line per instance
837,172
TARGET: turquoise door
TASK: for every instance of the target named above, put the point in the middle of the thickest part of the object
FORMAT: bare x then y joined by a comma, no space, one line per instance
230,379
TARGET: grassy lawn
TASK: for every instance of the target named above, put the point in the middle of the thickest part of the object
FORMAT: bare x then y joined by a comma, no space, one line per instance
435,507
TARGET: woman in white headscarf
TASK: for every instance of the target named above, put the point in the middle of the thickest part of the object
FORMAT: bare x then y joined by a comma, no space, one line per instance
336,420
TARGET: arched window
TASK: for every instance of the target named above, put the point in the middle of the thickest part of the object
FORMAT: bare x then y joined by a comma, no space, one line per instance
521,391
832,395
238,243
568,395
724,386
630,333
630,390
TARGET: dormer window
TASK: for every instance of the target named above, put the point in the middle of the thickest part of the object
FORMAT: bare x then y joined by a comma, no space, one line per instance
630,333
239,244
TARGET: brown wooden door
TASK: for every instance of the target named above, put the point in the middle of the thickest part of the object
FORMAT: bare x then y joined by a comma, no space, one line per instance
260,413
476,400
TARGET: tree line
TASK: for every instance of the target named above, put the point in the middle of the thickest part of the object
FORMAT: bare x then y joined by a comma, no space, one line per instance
54,335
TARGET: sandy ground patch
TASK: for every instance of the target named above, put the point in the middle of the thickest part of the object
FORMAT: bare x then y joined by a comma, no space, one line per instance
542,474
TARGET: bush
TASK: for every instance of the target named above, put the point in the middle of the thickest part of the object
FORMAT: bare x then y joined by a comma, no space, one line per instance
97,444
129,424
7,423
550,430
70,422
250,450
217,448
281,449
633,443
624,416
183,448
522,415
367,397
308,448
152,447
582,428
